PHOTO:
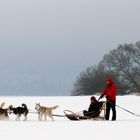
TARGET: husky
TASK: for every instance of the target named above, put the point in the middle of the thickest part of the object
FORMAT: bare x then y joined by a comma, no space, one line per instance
44,111
18,111
3,112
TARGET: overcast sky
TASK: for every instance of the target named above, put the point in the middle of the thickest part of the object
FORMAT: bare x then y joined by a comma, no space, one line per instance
45,44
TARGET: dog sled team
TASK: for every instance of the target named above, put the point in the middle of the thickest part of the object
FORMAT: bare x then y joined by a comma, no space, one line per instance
93,112
43,112
22,110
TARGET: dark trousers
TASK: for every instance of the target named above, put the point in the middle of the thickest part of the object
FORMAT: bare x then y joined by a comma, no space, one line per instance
110,105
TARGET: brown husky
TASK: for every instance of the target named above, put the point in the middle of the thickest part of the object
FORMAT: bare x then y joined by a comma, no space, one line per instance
3,112
46,111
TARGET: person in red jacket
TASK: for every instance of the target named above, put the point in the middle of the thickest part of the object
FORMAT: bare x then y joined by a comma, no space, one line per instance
110,93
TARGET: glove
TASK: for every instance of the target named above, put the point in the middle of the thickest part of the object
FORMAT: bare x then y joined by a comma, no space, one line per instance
100,98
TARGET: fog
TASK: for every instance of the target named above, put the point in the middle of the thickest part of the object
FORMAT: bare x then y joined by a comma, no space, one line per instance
45,44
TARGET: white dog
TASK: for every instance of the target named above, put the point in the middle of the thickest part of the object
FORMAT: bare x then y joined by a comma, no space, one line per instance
44,111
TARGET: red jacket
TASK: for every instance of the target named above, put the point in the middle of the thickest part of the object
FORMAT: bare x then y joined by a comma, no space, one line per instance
110,90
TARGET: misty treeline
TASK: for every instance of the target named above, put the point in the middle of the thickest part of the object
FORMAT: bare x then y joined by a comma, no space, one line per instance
122,63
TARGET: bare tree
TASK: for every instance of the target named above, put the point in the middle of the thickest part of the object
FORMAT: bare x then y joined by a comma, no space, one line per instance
92,81
124,62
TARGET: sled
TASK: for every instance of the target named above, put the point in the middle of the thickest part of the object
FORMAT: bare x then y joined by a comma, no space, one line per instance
96,116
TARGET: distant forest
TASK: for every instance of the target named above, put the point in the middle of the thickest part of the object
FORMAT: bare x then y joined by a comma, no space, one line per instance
122,63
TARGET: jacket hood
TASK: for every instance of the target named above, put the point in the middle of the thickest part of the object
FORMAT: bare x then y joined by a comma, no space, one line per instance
110,80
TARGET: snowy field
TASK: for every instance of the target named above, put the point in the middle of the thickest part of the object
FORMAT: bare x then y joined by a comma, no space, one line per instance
126,127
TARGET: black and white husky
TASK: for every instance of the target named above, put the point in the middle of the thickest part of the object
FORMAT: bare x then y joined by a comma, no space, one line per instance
18,111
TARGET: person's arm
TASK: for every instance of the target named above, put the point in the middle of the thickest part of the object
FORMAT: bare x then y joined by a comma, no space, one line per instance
102,95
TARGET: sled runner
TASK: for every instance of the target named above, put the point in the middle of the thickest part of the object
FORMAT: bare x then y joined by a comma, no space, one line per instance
95,116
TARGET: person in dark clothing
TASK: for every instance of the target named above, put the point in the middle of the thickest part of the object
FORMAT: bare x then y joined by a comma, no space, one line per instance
110,92
94,108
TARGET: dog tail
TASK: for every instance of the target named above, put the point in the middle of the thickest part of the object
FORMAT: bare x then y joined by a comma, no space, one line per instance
54,107
24,105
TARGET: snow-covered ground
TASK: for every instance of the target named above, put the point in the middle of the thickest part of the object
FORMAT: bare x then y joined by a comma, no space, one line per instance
126,127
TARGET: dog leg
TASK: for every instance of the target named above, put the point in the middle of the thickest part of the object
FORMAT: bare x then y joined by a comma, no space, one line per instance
18,117
25,119
40,117
45,117
7,118
51,117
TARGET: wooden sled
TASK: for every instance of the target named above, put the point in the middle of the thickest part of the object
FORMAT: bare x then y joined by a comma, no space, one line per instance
96,116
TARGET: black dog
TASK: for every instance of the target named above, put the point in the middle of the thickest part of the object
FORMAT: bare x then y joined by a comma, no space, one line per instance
19,111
